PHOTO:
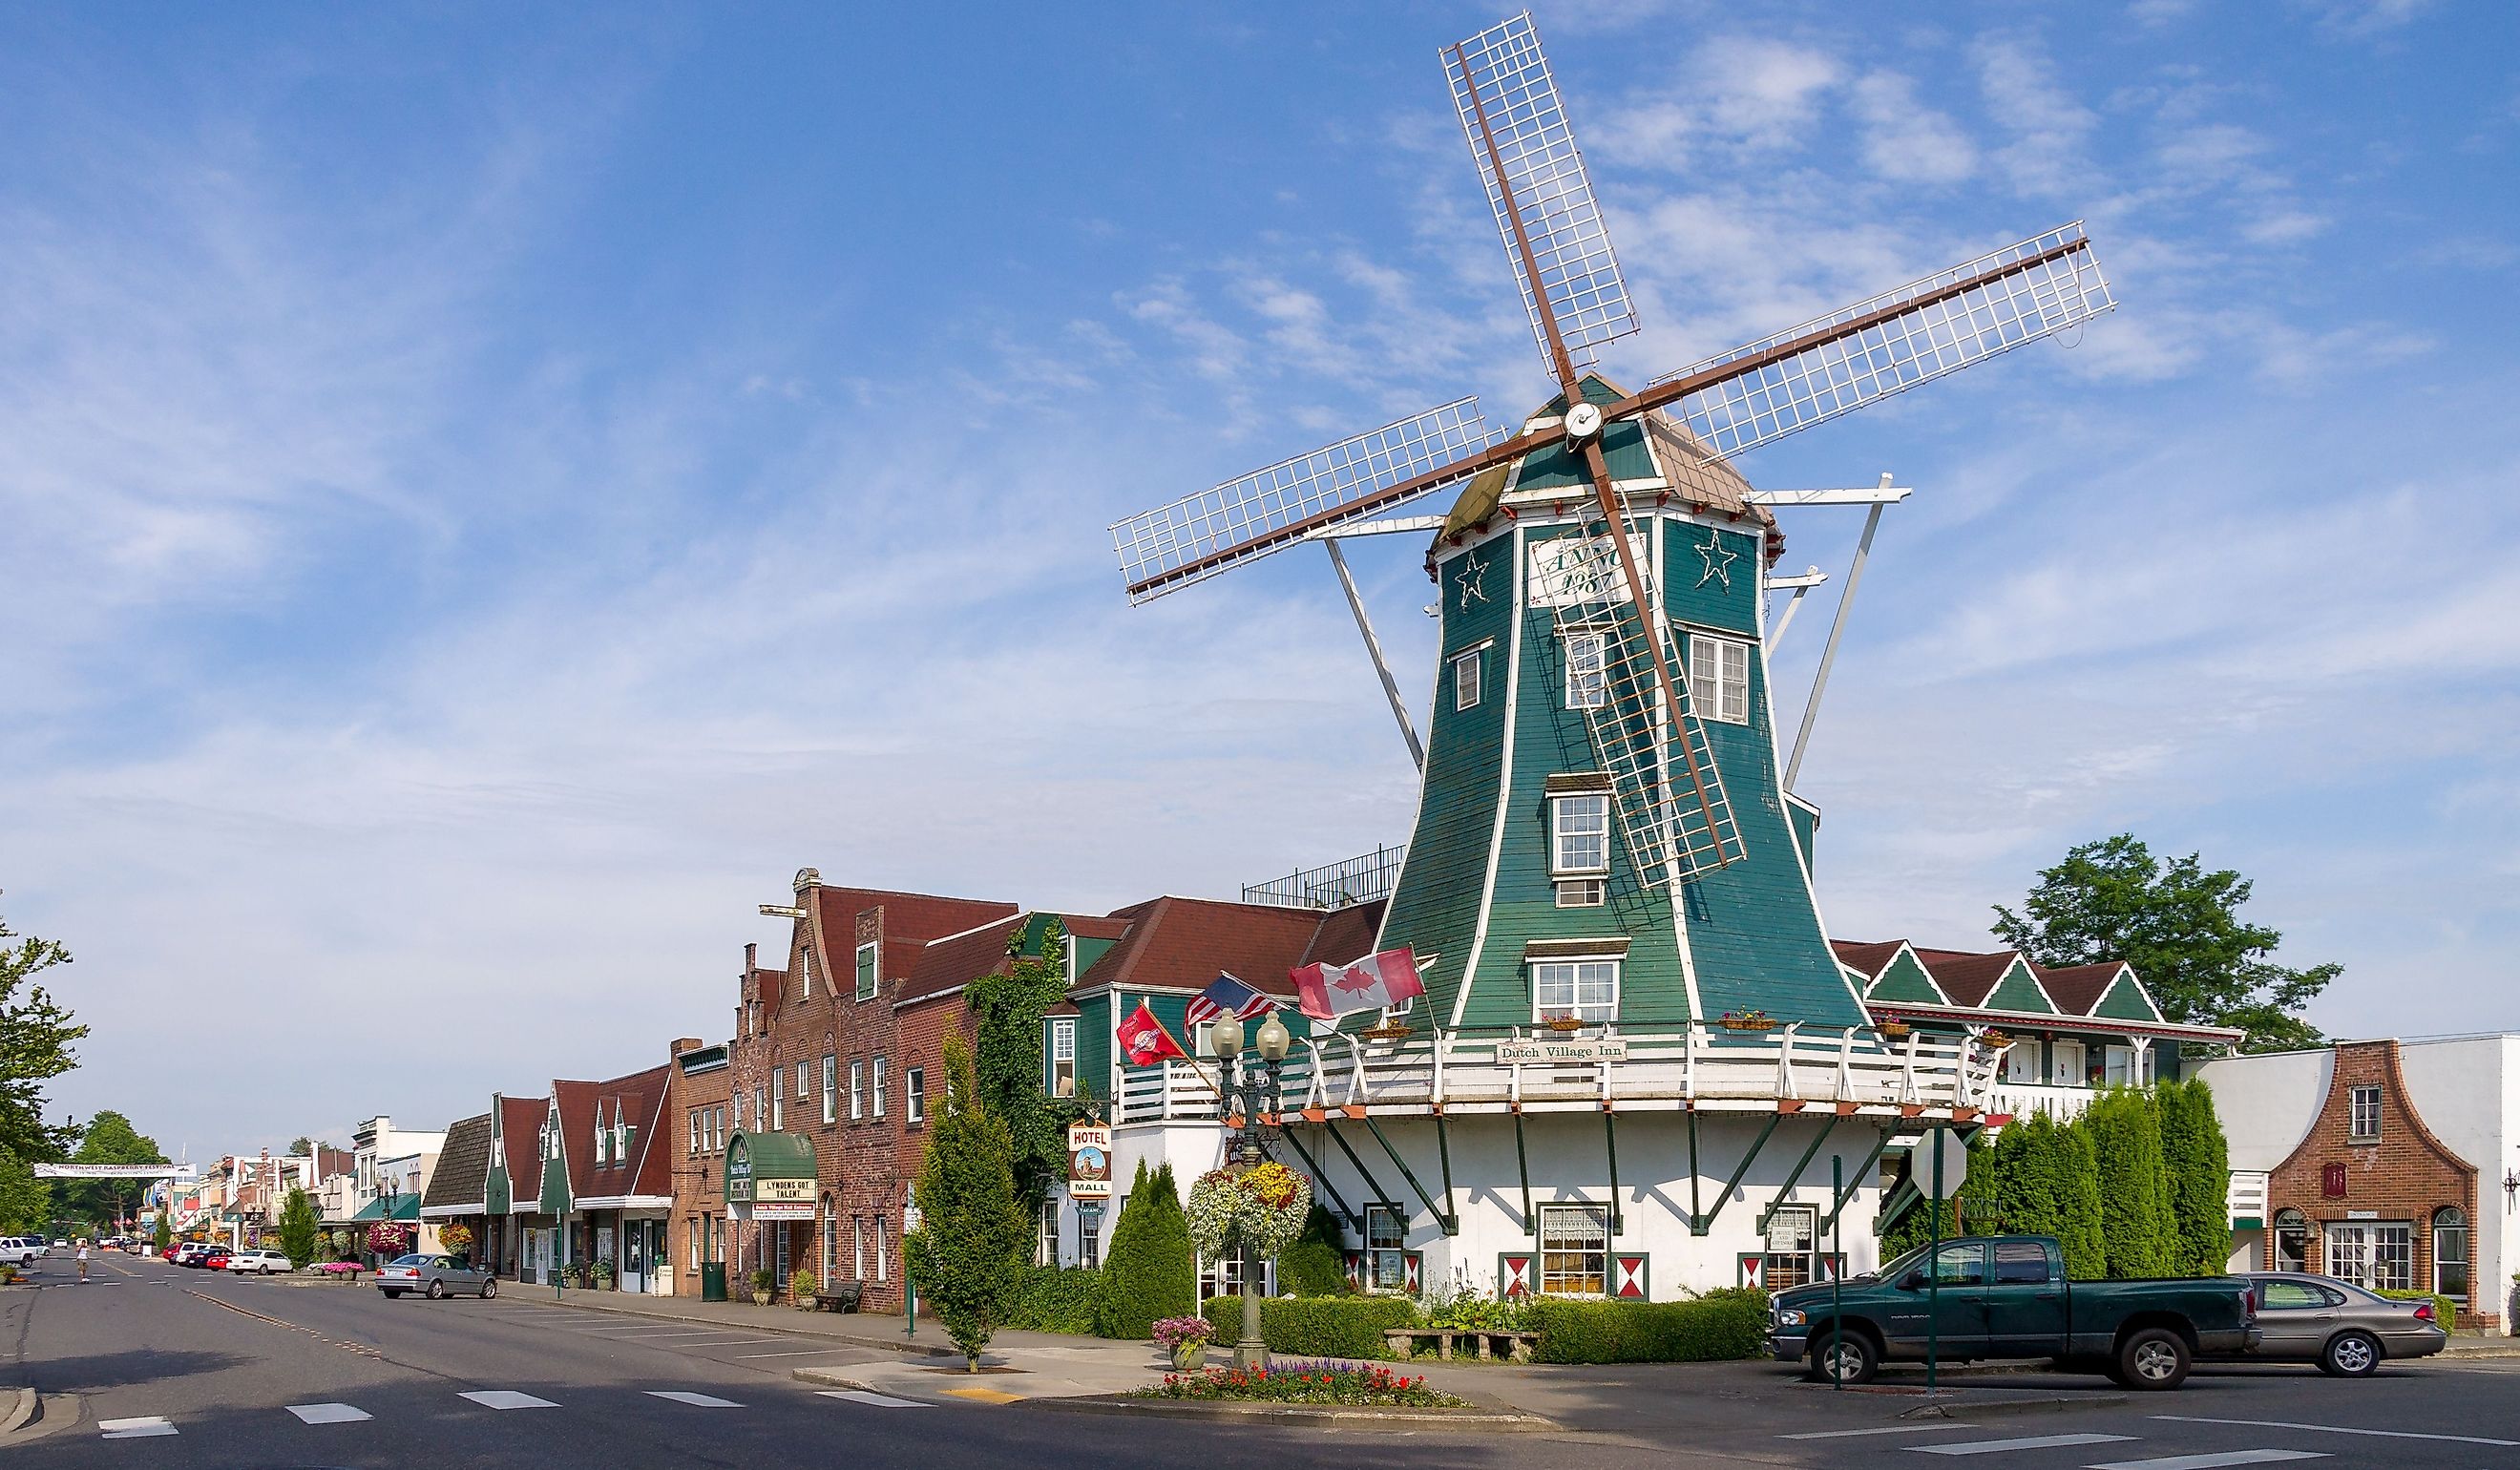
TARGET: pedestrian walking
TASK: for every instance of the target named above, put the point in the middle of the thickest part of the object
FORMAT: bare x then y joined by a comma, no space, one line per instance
83,1262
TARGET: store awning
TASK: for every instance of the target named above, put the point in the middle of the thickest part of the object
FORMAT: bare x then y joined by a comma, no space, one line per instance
771,1176
389,1207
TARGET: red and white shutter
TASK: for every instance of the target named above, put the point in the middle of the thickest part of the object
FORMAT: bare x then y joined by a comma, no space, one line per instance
1628,1278
1753,1269
1514,1274
1408,1270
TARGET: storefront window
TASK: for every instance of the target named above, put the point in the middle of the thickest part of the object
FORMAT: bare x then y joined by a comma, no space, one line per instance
2450,1255
2373,1257
1574,1250
1793,1237
2292,1240
1386,1256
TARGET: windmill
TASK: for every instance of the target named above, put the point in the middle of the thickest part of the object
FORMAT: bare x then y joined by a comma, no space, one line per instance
1675,818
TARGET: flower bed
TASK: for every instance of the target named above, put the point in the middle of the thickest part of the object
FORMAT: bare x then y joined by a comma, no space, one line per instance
340,1271
1327,1382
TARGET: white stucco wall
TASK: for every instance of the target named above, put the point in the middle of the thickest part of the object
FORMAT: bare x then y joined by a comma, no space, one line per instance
2468,1091
2268,1102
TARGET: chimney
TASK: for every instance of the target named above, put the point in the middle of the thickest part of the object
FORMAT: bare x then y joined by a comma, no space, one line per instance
752,959
682,1043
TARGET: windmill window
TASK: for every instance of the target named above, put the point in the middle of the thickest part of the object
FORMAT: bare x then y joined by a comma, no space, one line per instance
1579,836
1588,685
1467,678
1581,893
1586,989
1719,679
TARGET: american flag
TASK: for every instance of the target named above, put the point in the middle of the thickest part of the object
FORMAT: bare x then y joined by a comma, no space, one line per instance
1227,995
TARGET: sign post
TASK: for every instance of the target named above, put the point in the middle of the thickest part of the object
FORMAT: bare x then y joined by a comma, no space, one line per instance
1837,1274
1949,1163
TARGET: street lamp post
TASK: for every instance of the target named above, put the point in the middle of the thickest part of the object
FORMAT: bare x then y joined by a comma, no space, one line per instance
1250,1094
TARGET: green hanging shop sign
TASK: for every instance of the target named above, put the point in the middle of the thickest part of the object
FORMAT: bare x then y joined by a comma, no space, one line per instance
771,1176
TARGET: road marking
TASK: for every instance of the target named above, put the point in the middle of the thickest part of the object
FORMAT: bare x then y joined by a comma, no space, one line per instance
2208,1462
710,1332
508,1399
984,1396
861,1395
135,1429
808,1353
695,1400
2034,1441
745,1342
328,1413
1851,1434
2380,1434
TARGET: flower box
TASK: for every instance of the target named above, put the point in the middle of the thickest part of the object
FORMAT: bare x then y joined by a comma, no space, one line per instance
1896,1029
1393,1032
1564,1025
1748,1020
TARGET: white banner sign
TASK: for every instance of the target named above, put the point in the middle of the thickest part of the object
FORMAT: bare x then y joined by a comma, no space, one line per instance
114,1171
1599,1050
783,1210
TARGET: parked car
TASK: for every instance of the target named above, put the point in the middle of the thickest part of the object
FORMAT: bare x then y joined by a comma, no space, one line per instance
434,1276
215,1259
259,1262
2006,1296
20,1250
190,1252
2346,1330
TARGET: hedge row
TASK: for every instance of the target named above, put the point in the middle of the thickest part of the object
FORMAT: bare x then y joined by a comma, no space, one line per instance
1729,1324
1316,1326
1054,1299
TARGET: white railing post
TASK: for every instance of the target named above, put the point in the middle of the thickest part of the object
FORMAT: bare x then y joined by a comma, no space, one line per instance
1908,1072
1786,1061
1845,1087
1435,1088
1689,1063
1314,1095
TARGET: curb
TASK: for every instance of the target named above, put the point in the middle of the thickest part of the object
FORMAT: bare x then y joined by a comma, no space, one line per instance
906,1349
22,1403
1334,1417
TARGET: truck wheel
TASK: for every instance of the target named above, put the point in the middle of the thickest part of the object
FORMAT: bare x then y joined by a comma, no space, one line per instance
2151,1358
1855,1359
2350,1355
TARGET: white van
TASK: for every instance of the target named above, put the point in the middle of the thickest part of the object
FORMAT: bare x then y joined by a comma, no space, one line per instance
22,1250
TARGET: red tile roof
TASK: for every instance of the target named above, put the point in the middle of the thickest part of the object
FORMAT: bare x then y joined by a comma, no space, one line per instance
521,1137
915,916
1181,944
1869,958
2077,987
1967,977
640,1096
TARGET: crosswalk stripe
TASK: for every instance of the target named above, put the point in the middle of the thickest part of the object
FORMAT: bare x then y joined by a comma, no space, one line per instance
695,1400
141,1428
807,1352
508,1399
328,1413
1856,1433
879,1400
2381,1434
2032,1442
2208,1462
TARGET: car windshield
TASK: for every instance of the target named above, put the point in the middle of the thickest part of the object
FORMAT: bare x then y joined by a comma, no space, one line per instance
410,1261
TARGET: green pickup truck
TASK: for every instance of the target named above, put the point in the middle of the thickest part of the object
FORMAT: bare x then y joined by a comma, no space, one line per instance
2006,1296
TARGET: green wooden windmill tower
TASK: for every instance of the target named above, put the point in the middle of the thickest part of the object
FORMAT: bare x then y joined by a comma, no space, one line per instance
1602,831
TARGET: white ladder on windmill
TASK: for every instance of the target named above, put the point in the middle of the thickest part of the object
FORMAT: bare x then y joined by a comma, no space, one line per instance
1671,822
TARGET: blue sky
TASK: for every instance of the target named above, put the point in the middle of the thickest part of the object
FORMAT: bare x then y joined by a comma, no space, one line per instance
485,496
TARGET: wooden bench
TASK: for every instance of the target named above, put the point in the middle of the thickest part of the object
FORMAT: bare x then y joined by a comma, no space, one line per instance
842,1297
1483,1344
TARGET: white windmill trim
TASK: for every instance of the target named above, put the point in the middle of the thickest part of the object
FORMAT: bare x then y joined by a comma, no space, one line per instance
1516,613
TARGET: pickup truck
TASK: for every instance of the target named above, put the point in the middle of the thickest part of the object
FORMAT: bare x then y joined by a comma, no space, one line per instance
2006,1296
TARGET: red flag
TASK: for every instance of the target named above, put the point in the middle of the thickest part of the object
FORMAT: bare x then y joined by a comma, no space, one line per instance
1143,1041
1378,982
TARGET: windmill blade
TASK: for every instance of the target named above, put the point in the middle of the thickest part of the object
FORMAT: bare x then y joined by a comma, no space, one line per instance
1758,393
1527,159
1198,536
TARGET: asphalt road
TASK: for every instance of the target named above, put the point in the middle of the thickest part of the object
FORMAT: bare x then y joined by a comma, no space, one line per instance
218,1373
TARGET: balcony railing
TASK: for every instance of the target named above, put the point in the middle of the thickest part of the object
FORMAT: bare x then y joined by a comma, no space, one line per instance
1359,880
2247,1196
1691,1067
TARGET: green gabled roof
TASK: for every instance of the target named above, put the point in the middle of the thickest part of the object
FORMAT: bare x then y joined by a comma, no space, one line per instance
1904,979
2019,991
2125,999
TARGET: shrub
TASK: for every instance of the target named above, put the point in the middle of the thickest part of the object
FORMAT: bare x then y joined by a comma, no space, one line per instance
1315,1265
1317,1327
1721,1325
1052,1299
801,1286
2138,1232
300,1230
968,1251
2445,1311
1465,1309
1150,1273
1307,1383
2198,1162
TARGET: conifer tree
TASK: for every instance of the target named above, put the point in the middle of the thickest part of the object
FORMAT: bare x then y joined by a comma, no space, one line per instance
967,1256
299,1228
1150,1273
2135,1197
2196,1159
2072,1167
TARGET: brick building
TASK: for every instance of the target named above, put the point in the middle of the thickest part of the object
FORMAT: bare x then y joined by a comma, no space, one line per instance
701,1101
2368,1156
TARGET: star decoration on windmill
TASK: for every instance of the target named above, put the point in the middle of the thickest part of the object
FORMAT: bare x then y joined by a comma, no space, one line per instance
1718,559
1472,581
1577,302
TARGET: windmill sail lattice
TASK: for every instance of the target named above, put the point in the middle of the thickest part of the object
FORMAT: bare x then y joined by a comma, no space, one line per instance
1670,819
1198,536
1764,390
1504,93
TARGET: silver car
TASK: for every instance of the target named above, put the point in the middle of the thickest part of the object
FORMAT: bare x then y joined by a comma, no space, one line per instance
434,1276
2341,1328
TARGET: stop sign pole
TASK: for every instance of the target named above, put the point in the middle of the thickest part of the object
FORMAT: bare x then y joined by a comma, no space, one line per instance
1957,1169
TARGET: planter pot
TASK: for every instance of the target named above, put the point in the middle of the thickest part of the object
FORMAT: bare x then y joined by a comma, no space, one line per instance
1189,1358
762,1299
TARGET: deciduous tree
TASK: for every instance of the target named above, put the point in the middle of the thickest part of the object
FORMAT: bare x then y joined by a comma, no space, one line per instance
2180,926
109,1139
36,1039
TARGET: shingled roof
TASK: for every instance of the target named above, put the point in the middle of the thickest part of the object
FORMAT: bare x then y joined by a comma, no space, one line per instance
462,1174
958,959
521,1128
1180,944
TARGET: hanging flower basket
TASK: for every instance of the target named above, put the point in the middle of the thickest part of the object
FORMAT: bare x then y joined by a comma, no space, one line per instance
1262,1207
1993,1039
456,1238
1748,1020
1564,1025
389,1237
1896,1029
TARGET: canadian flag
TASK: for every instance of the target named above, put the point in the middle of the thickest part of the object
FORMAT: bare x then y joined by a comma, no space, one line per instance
1143,1041
1378,982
